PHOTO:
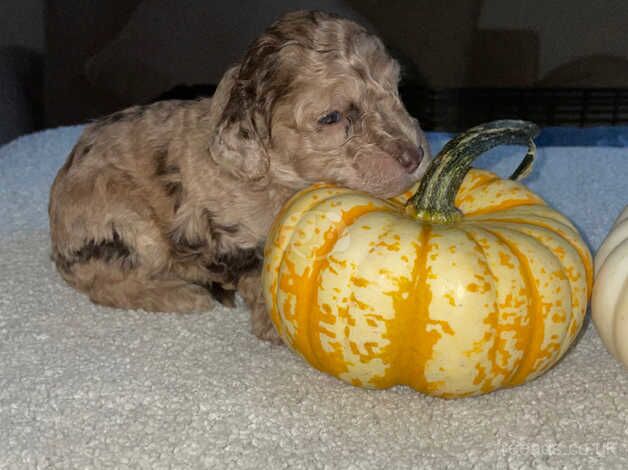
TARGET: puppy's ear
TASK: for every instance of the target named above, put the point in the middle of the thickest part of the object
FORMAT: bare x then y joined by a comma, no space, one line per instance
238,141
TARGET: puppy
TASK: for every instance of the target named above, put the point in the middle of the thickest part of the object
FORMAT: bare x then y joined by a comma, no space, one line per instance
166,207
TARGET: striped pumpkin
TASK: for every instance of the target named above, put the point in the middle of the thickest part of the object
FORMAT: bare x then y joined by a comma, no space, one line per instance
451,302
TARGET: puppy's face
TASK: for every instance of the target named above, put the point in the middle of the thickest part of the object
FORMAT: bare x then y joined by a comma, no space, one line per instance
316,99
344,123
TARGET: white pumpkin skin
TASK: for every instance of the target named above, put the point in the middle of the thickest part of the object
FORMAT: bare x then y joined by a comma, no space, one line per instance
609,303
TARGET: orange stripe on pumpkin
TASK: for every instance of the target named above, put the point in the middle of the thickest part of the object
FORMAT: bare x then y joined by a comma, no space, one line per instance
407,358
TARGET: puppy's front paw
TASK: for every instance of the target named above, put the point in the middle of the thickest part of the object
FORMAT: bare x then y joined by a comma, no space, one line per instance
269,334
250,287
263,328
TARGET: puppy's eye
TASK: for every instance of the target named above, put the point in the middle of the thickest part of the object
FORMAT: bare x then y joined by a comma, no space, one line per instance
331,118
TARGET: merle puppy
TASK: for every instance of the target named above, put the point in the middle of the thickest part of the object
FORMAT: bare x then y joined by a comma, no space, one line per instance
166,207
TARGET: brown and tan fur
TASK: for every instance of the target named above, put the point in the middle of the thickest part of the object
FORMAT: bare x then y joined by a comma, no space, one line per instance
166,207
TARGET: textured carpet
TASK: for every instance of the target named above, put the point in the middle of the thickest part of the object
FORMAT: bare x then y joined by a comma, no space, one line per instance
83,386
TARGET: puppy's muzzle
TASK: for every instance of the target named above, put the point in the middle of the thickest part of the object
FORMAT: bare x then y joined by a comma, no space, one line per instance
410,158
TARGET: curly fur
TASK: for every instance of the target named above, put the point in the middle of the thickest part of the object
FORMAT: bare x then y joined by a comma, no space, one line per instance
166,207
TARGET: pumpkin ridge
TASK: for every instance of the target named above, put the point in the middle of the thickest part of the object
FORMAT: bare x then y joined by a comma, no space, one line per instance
559,314
306,311
611,242
309,195
540,211
278,221
504,206
535,328
497,327
483,177
608,298
574,321
289,265
618,319
572,239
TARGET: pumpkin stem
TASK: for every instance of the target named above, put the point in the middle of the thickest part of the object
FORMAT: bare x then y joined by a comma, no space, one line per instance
434,200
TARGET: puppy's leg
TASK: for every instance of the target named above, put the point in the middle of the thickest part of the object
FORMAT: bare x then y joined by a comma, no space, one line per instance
138,292
118,254
250,288
116,274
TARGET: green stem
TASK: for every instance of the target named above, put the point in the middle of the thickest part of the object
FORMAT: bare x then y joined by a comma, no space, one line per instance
434,200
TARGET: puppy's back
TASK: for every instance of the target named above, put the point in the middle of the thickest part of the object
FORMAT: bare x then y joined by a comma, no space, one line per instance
120,180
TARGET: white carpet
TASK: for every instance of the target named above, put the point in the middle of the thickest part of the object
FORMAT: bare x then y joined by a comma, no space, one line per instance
83,386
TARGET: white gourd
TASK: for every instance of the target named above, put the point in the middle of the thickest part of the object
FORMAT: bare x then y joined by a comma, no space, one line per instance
609,304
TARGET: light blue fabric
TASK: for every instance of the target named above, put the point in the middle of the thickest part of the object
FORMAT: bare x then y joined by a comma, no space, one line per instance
565,136
600,136
588,184
28,166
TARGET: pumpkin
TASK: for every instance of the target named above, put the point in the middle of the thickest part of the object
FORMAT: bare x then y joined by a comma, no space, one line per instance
471,284
609,304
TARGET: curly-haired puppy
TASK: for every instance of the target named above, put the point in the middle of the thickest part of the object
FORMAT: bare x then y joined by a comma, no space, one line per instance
166,207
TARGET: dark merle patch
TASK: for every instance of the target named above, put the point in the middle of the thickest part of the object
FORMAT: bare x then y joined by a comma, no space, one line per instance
353,113
71,158
74,155
167,172
227,266
161,161
62,263
187,92
244,133
162,167
190,246
235,107
174,190
225,296
104,250
231,265
185,249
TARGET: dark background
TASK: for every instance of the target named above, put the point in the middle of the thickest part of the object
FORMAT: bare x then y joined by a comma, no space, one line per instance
465,61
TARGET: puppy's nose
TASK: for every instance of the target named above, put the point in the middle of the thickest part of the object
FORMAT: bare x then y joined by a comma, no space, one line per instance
411,158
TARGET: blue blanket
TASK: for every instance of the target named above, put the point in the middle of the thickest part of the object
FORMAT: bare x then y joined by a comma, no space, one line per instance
600,136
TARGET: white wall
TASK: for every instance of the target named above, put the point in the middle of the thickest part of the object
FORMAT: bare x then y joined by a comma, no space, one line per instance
22,24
